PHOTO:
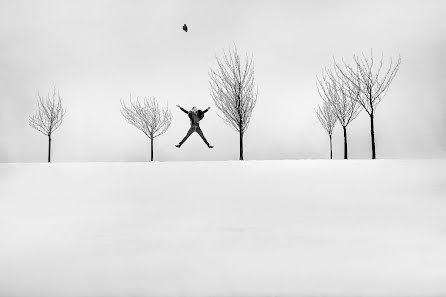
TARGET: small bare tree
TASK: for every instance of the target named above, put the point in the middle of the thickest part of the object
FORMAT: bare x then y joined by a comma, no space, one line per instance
148,117
328,119
342,100
232,89
48,117
372,81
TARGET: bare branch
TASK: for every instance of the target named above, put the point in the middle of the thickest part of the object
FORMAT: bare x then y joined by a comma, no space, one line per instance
327,117
339,94
370,79
49,114
147,116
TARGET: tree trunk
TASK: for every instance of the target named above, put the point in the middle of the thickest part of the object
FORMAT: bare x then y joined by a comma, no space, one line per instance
331,148
151,148
345,142
372,133
241,145
49,149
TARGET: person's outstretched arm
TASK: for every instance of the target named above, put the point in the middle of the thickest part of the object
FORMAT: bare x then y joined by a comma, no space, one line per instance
183,109
206,110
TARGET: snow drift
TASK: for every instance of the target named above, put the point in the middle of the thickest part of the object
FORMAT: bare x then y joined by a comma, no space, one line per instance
256,228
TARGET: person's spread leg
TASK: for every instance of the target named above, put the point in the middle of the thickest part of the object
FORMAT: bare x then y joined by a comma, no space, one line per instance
202,137
189,133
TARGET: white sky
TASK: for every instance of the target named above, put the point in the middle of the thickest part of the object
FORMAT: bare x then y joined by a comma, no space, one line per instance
98,52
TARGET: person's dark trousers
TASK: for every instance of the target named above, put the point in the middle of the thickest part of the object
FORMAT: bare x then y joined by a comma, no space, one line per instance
194,128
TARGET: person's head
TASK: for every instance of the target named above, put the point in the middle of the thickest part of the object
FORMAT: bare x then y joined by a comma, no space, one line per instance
194,109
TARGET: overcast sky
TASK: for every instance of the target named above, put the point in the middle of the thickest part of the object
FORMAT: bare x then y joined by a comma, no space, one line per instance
98,52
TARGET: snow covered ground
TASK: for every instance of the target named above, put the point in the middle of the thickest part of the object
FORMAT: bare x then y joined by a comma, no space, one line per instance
254,228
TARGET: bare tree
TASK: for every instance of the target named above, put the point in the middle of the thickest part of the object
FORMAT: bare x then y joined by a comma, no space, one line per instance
232,89
328,119
148,117
342,100
48,117
372,80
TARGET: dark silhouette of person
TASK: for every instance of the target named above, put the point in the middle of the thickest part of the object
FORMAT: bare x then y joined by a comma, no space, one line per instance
195,116
185,28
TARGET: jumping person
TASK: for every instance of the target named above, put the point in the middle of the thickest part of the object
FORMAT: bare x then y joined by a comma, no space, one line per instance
195,116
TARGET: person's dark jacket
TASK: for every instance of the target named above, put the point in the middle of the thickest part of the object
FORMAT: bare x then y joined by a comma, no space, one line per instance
195,118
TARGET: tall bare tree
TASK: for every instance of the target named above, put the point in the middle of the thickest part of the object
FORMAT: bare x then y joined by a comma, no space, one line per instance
328,119
372,80
148,117
232,89
48,117
341,98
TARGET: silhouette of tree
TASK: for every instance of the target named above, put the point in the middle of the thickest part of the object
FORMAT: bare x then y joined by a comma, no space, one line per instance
371,80
342,100
148,117
328,119
48,117
232,89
